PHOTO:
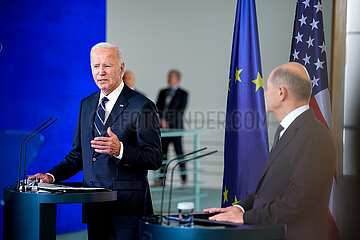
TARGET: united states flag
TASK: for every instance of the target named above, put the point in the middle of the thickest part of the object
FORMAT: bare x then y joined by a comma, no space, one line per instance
309,49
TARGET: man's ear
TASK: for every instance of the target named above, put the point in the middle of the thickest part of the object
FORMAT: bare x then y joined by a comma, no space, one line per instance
283,93
122,70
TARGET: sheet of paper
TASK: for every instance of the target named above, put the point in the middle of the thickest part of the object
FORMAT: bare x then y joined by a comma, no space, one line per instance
54,187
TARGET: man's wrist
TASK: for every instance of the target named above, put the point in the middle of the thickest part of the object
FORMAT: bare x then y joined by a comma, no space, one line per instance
242,209
52,177
121,151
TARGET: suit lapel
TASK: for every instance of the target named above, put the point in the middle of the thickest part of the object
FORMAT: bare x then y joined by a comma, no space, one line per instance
285,139
93,103
281,144
119,107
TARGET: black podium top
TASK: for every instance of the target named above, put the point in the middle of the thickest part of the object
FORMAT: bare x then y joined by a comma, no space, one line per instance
204,231
82,197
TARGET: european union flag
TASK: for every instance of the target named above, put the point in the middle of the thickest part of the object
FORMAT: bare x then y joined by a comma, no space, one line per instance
246,139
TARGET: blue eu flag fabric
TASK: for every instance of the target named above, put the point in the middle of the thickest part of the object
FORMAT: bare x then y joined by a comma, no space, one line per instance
246,139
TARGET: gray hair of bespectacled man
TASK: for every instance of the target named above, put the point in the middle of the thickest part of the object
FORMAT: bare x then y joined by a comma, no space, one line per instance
105,45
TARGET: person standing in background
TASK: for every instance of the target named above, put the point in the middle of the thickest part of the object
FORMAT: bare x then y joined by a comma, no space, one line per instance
129,79
171,104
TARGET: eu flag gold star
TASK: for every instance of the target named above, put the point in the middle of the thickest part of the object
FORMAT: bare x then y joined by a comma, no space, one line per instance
236,201
229,85
225,193
259,82
237,75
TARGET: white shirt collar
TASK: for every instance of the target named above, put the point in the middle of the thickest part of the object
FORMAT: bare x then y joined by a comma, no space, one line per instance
113,96
174,87
288,119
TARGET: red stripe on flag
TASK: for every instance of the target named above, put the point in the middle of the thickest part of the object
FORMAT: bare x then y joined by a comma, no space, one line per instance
314,105
333,230
335,175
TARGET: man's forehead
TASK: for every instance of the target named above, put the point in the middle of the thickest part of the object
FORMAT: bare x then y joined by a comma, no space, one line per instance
107,54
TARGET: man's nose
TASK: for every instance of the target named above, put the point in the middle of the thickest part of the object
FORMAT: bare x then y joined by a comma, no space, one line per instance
102,70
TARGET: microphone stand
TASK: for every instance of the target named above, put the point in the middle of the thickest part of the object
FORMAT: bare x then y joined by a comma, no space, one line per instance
30,139
164,177
18,185
172,175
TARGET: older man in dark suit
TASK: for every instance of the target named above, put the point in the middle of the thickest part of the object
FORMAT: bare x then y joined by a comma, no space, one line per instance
117,139
295,185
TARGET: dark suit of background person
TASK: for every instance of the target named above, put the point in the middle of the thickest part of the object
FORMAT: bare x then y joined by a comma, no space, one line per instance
171,104
295,185
133,120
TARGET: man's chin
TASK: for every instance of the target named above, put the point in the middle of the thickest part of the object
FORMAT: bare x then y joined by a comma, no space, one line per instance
107,91
104,91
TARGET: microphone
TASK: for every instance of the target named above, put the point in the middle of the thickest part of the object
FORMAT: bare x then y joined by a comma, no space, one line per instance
21,148
164,177
29,137
25,150
172,174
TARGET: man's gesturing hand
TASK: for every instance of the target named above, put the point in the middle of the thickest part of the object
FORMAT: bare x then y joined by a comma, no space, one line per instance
229,214
109,145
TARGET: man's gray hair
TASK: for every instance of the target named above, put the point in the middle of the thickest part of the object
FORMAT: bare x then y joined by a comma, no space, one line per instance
176,72
297,84
105,45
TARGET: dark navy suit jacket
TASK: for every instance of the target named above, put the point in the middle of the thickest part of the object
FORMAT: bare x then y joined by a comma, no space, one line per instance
135,122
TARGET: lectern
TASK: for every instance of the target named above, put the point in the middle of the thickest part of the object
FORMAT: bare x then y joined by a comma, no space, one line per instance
150,230
33,215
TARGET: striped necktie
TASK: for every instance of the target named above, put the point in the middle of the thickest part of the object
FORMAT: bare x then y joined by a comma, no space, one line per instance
100,117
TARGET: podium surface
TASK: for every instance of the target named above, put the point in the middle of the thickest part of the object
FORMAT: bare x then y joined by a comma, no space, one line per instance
33,215
150,231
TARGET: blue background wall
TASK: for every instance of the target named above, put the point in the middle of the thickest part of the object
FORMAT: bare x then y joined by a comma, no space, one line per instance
45,71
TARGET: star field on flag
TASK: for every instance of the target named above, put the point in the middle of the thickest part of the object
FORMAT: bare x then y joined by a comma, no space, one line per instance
308,46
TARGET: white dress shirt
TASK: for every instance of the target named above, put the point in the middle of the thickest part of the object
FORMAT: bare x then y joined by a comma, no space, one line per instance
113,96
288,119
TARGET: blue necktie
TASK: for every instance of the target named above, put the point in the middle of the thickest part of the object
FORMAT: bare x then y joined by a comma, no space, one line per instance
100,117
